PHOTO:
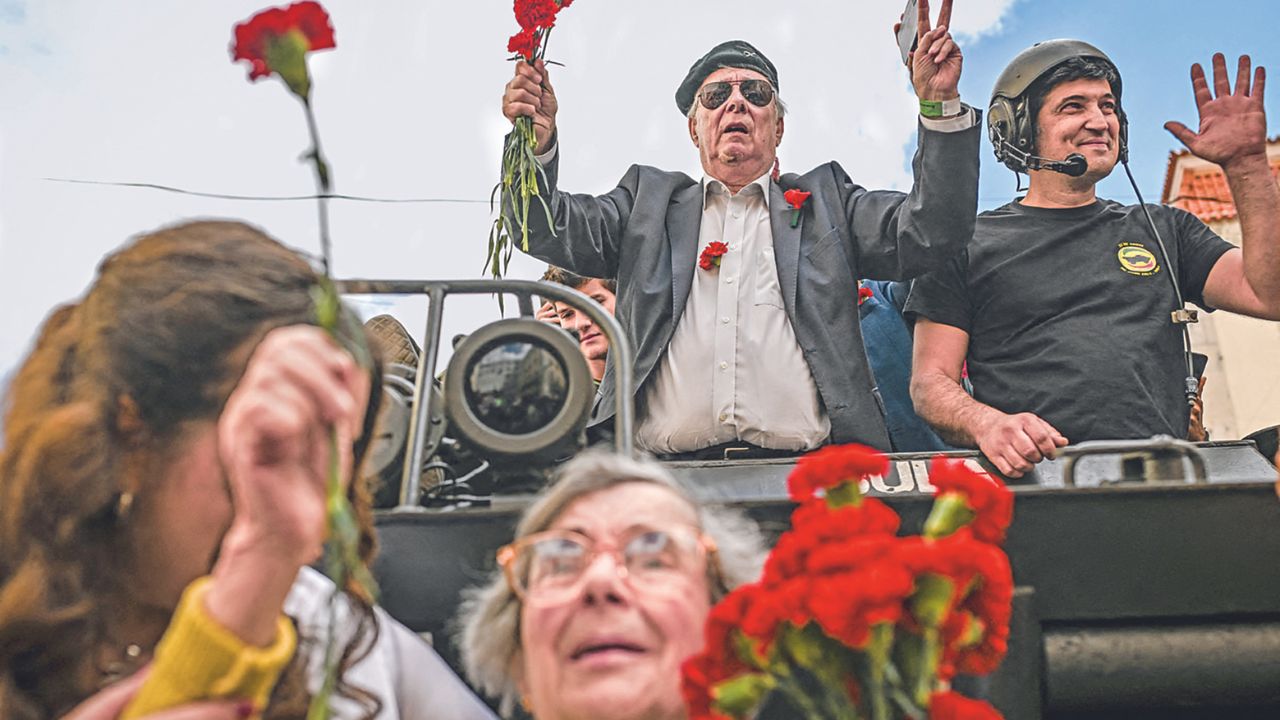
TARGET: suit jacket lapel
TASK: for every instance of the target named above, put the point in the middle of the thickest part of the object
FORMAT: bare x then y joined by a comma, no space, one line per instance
684,224
786,246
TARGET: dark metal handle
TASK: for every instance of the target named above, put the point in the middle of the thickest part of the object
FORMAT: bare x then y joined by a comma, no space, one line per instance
1158,443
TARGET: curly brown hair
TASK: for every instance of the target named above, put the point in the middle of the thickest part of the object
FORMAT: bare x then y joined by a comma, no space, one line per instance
151,347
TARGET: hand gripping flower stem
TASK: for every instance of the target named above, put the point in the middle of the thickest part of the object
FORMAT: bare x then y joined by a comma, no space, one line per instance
341,552
521,171
276,41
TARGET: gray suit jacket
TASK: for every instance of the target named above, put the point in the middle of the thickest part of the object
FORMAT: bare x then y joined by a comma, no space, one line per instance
645,233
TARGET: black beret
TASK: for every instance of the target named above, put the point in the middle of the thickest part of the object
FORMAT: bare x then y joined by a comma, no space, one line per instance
731,54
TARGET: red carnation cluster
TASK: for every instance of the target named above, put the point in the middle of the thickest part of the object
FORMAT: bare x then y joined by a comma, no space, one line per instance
523,43
981,593
535,18
710,256
306,22
831,466
842,592
532,14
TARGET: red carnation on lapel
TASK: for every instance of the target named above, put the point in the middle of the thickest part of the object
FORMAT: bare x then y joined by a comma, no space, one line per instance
796,199
711,255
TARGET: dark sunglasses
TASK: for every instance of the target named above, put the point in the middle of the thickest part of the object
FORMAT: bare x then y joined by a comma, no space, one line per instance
757,92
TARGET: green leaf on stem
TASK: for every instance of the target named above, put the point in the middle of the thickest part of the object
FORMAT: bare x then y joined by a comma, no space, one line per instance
950,513
846,494
740,696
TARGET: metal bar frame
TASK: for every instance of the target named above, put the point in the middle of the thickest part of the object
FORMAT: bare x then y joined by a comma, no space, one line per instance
619,350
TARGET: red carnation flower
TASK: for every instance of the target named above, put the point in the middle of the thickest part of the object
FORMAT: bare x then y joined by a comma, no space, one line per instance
533,14
954,706
983,583
831,466
719,658
796,199
305,25
695,686
989,500
523,43
710,256
858,586
864,294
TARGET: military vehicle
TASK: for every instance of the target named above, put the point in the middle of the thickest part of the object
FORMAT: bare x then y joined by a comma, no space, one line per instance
1147,572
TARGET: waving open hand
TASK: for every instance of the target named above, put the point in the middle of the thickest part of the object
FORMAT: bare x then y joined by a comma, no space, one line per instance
1233,125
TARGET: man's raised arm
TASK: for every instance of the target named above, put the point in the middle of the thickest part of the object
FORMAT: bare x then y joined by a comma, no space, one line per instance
1233,134
584,232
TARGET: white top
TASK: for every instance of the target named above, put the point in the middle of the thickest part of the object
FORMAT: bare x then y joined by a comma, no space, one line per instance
401,669
734,369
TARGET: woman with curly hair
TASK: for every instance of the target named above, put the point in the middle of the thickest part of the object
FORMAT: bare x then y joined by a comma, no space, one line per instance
163,476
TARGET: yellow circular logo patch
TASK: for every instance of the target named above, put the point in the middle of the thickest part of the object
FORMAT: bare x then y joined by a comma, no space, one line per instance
1137,260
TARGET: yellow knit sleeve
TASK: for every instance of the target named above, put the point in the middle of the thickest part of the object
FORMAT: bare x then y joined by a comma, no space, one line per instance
198,659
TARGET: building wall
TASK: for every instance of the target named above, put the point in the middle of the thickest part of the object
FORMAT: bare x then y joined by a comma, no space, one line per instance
1242,392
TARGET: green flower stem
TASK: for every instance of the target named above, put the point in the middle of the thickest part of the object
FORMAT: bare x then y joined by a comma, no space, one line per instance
807,650
932,655
342,555
517,188
878,650
796,693
316,156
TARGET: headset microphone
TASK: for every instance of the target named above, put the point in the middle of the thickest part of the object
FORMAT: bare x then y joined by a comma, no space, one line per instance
1074,165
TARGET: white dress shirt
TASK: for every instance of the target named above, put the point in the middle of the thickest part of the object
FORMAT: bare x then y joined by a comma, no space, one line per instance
734,369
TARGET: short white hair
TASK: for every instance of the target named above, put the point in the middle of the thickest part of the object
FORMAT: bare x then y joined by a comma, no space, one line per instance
489,619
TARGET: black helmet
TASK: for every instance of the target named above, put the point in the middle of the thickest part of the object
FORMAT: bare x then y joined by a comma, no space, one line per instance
1009,122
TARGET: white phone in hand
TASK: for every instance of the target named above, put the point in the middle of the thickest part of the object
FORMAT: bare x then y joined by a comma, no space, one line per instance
907,31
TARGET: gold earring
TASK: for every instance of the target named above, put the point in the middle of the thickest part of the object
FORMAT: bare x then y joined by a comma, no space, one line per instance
124,505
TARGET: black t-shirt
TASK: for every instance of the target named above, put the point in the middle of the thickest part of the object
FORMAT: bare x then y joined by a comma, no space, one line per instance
1067,312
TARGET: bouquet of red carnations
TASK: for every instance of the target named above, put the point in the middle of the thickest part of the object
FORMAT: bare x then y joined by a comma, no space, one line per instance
520,170
851,621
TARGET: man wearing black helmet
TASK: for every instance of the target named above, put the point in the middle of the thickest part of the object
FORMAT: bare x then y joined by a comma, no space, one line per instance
743,310
1069,308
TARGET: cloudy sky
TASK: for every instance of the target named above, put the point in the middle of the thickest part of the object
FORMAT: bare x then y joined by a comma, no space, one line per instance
408,106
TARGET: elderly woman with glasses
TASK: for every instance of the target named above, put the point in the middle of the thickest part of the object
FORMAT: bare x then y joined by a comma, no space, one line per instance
604,593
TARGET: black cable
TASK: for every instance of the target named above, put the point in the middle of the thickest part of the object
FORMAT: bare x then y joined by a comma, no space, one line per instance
259,198
1190,386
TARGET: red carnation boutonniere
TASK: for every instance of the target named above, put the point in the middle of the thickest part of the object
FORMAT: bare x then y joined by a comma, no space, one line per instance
864,293
796,199
710,256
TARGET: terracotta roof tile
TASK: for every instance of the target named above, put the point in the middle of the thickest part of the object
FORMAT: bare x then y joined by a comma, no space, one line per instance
1203,191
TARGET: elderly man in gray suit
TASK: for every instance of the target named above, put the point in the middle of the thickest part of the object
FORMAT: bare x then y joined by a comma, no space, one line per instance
756,351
